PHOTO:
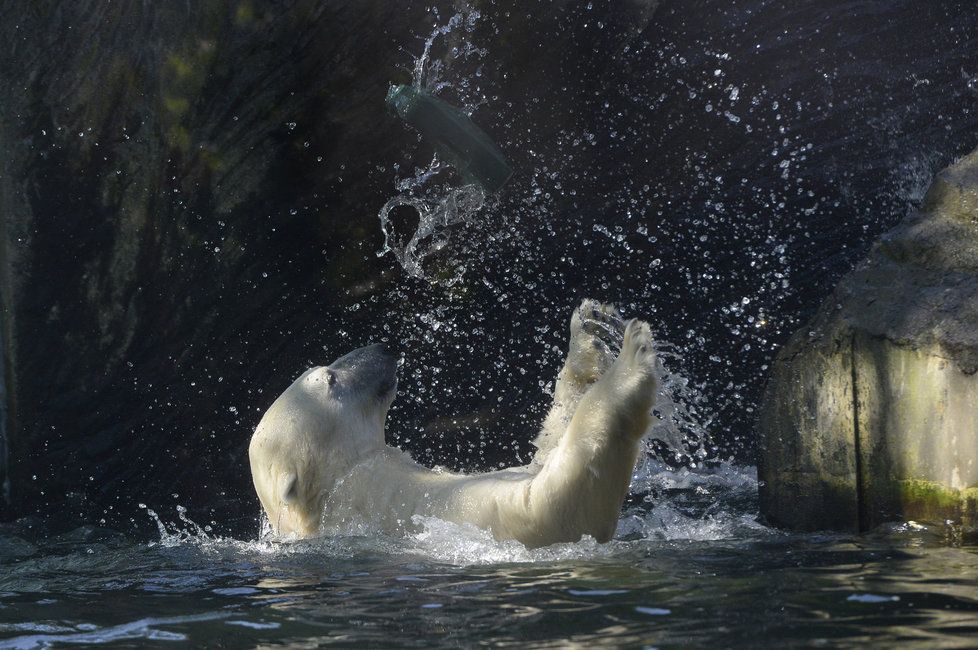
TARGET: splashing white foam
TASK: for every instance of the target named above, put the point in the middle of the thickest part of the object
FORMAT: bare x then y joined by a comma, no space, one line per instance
465,544
437,198
666,522
436,216
682,416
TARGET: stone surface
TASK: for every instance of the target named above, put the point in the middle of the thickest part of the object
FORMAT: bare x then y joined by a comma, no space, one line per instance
871,413
154,190
188,217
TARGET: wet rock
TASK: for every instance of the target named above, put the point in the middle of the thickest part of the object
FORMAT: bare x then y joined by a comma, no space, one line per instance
871,413
168,197
188,218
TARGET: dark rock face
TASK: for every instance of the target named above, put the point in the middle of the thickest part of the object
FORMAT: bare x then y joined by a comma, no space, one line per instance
871,413
189,197
149,190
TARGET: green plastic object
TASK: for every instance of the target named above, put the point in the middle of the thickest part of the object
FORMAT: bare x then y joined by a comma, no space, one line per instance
455,136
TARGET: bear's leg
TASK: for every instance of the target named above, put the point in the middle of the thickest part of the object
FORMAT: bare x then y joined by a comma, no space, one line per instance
584,481
596,329
631,380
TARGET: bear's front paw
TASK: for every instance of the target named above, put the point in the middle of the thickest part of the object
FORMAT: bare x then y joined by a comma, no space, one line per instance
596,331
635,367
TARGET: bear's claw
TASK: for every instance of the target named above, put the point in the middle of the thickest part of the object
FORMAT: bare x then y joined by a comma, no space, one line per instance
597,331
603,322
637,350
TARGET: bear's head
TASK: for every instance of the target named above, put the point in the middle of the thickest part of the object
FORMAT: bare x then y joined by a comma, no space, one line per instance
316,431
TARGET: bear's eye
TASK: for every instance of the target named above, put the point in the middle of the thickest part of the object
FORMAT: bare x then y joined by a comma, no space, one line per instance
330,378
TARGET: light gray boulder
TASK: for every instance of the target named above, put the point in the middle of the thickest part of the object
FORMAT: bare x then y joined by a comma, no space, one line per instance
871,412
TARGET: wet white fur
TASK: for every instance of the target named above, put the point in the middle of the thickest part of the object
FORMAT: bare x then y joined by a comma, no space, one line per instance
319,465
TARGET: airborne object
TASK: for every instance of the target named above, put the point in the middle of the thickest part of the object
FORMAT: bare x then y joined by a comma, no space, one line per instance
456,137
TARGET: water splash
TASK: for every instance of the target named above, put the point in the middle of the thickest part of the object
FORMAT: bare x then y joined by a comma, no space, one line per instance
684,504
173,534
683,416
437,215
434,194
427,73
673,505
465,544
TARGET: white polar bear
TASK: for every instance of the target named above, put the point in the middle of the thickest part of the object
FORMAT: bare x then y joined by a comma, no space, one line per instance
319,461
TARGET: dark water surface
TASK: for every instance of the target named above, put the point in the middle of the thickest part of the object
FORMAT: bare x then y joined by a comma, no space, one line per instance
693,570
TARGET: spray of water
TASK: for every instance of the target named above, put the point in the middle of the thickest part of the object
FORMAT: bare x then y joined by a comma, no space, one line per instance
686,505
428,73
437,215
436,196
682,416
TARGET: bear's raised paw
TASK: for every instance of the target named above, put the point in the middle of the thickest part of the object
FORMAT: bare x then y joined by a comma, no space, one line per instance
596,333
634,370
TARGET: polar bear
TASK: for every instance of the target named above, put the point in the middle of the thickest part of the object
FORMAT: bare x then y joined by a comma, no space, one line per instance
319,461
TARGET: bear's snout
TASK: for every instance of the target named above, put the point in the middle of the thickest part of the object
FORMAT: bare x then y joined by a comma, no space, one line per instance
370,370
366,356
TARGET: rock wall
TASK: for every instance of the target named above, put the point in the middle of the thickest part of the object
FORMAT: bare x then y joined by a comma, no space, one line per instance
871,413
150,177
188,218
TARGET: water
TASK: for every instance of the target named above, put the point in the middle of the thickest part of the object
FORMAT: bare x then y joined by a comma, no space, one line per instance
714,170
4,480
434,196
691,567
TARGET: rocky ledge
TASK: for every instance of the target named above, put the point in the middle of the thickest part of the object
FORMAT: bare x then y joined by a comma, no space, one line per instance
871,412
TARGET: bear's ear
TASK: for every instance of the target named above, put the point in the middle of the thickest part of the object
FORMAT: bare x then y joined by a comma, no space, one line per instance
289,487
